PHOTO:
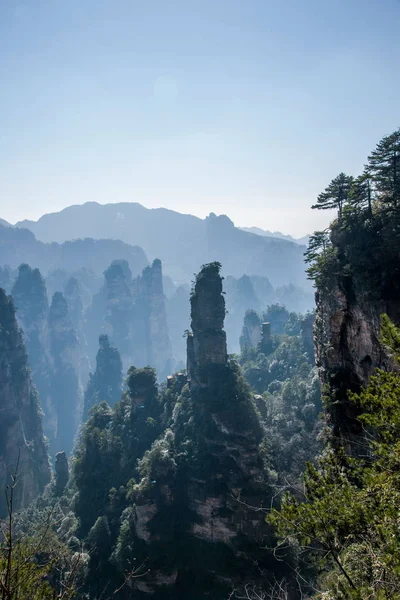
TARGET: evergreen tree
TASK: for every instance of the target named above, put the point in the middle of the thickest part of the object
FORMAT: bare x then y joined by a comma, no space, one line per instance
347,523
335,195
360,195
384,167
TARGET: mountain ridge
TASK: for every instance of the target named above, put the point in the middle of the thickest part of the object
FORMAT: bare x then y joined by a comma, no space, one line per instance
303,241
182,241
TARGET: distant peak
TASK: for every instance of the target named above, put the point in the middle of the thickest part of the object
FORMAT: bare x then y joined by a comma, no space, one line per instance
222,220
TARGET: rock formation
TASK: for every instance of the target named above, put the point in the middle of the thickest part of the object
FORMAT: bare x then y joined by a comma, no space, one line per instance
106,382
132,313
348,348
152,294
73,297
32,309
251,332
192,508
21,435
206,344
61,473
265,344
240,297
66,389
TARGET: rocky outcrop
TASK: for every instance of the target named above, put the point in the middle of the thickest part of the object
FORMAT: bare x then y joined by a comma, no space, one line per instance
22,446
106,382
66,389
192,510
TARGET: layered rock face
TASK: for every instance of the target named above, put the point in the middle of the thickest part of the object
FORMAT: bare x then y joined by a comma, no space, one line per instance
192,509
66,389
21,434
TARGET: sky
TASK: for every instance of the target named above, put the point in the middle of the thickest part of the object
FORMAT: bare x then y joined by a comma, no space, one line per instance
242,107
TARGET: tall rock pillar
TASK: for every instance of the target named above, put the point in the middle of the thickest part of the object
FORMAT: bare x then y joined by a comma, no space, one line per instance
206,345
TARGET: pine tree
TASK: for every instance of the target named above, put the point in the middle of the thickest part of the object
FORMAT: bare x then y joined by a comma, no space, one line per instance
360,195
384,167
335,195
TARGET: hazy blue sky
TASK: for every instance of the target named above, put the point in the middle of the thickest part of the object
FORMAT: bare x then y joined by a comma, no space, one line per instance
244,107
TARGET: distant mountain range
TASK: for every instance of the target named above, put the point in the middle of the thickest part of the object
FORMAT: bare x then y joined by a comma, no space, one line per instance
303,241
183,242
18,245
4,223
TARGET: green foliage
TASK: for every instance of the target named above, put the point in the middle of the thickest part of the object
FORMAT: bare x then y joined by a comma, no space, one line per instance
335,195
291,402
363,245
384,167
348,521
36,563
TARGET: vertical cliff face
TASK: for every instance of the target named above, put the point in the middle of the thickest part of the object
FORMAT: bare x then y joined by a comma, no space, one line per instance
30,299
191,511
106,382
66,389
21,435
347,347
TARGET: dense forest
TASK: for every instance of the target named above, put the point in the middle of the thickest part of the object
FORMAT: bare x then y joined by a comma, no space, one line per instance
217,438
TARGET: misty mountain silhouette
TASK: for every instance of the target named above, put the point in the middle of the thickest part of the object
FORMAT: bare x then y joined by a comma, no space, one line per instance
277,234
183,242
19,246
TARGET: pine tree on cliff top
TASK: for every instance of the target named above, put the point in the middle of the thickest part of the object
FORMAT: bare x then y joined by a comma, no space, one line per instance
335,195
360,196
384,166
